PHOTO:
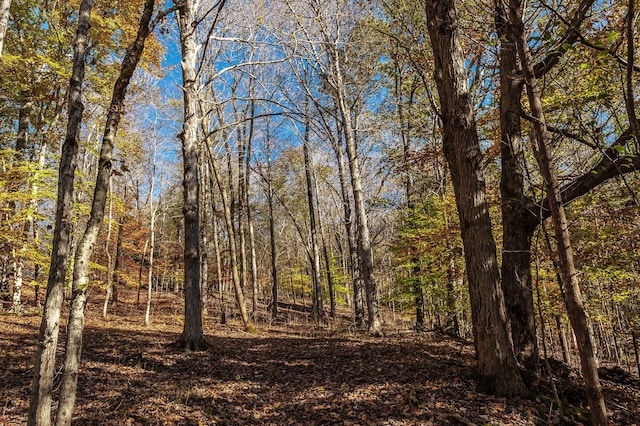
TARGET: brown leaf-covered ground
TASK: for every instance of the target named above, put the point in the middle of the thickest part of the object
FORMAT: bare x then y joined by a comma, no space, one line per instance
292,372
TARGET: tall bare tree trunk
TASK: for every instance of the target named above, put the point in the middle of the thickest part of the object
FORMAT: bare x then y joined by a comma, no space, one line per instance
365,252
151,241
204,245
575,306
317,307
192,335
494,347
75,324
327,260
354,264
41,398
109,290
272,230
226,205
251,231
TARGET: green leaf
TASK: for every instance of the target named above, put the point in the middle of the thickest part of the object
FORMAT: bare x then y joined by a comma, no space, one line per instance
619,149
613,36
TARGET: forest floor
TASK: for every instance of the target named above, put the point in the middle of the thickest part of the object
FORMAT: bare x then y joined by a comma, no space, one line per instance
290,372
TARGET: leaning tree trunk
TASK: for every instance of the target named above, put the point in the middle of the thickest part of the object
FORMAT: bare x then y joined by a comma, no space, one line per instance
226,206
575,306
365,251
41,398
192,335
494,347
75,324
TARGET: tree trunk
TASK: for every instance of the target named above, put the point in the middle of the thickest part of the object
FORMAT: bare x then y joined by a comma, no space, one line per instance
516,240
16,303
80,284
40,403
226,205
144,255
109,290
636,351
564,344
365,252
251,232
405,135
575,307
192,335
358,300
204,221
494,347
118,261
219,280
327,260
317,307
272,232
5,5
152,245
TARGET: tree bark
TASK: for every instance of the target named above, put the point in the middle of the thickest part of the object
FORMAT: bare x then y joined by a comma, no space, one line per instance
219,279
5,5
22,141
494,347
75,324
327,260
575,307
118,260
516,241
365,252
249,215
151,241
272,230
204,221
40,402
354,268
192,335
226,206
109,290
317,307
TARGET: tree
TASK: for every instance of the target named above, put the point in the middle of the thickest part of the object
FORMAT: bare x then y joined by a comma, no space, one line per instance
517,230
318,309
80,284
5,5
192,336
335,79
575,305
41,394
494,347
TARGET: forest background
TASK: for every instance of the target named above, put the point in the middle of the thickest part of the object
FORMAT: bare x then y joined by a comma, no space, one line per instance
323,162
